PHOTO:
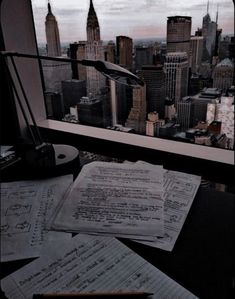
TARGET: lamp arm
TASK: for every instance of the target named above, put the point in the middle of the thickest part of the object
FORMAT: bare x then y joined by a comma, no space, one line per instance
21,105
27,102
108,69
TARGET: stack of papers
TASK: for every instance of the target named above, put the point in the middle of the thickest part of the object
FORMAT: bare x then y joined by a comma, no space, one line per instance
140,201
115,199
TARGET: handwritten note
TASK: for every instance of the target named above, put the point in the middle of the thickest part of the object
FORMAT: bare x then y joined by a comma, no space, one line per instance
26,208
90,264
179,192
115,199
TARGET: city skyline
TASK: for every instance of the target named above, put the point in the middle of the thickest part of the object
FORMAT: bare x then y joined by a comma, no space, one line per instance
145,19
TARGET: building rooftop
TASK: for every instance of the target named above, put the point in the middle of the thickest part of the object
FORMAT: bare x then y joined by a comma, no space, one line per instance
225,62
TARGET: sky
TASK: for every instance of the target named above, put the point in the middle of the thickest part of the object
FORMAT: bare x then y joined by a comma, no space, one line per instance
133,18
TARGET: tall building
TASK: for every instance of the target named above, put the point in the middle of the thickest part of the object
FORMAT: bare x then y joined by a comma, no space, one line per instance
54,105
93,28
81,54
52,34
72,91
54,72
137,116
73,55
94,51
178,34
124,46
154,77
209,32
185,111
90,111
223,51
110,52
124,102
223,75
176,69
201,100
143,56
196,50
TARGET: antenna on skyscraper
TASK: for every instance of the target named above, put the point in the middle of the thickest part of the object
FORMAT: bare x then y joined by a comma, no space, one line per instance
208,7
217,14
49,7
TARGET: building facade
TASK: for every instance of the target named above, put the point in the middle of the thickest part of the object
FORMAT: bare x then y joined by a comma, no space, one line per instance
143,56
72,91
94,50
110,52
178,34
196,50
177,70
223,75
124,46
185,111
209,31
137,116
155,79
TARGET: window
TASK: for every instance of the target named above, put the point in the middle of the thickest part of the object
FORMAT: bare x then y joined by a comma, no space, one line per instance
30,73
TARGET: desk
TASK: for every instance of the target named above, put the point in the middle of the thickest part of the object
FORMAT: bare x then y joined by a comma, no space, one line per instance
203,259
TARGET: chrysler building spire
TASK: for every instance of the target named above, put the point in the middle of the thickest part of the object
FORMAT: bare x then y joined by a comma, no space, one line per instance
93,29
52,34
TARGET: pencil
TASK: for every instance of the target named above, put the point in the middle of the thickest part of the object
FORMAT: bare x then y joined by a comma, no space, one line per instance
116,295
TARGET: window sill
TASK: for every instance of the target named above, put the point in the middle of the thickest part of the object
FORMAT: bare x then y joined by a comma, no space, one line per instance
169,146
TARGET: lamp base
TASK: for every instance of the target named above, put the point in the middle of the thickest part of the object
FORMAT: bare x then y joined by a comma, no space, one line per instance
66,159
48,159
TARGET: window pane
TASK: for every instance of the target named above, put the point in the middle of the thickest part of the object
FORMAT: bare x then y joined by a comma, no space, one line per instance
186,62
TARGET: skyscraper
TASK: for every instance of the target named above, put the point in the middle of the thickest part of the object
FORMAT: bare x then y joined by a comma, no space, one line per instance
137,115
72,91
155,79
209,31
124,46
185,112
178,34
94,50
110,52
196,49
176,68
81,54
52,34
143,56
223,74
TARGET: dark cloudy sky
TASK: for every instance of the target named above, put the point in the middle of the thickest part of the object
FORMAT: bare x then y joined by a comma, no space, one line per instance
134,18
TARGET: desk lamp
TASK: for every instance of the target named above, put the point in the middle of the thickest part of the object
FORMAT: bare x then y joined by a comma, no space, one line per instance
41,154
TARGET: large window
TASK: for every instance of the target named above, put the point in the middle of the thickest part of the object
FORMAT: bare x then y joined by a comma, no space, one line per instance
187,99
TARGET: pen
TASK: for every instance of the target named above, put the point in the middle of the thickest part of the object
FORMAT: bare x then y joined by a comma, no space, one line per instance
117,295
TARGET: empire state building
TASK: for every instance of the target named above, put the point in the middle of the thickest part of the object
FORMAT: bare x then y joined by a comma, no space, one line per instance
52,34
94,51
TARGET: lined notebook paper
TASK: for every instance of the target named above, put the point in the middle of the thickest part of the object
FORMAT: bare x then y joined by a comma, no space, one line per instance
91,264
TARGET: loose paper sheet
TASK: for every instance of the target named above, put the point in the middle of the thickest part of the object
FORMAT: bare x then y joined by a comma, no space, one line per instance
90,264
179,192
116,199
26,208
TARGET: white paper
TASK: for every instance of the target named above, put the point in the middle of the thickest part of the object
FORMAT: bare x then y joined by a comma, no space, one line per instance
116,199
179,192
26,208
91,264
